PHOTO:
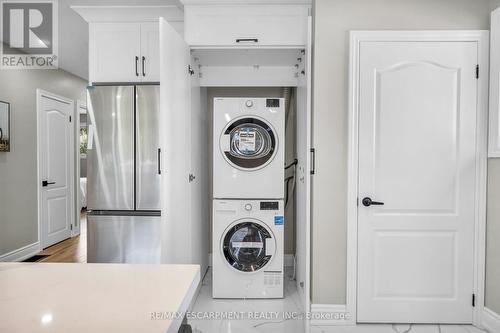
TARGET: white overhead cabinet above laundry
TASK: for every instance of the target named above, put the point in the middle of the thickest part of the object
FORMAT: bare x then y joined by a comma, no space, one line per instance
246,25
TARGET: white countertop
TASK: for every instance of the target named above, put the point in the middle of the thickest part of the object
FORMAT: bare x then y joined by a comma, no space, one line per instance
53,297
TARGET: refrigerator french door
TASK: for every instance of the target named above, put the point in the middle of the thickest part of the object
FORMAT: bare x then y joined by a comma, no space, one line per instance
123,174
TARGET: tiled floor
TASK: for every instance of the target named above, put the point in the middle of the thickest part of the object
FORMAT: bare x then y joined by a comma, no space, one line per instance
206,306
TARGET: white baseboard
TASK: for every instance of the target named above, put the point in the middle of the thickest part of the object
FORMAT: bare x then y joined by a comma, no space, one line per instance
288,260
330,315
491,321
22,253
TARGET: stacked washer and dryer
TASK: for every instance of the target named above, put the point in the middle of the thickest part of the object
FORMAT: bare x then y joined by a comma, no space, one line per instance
248,192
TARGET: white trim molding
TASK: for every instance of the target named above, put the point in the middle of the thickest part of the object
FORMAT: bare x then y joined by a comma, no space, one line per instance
482,38
491,321
22,253
331,315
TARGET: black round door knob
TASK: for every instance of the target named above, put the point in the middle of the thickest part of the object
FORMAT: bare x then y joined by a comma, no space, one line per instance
367,202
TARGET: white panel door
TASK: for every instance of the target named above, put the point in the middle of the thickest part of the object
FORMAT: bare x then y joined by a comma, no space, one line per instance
150,52
175,88
417,155
56,163
303,174
115,52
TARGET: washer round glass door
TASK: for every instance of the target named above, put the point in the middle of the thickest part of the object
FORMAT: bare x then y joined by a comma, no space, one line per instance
248,143
248,246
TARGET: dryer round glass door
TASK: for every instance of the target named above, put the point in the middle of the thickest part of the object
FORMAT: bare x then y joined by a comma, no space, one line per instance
248,143
248,246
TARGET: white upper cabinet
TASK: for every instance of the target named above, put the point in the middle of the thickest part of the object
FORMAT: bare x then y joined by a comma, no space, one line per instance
494,116
246,25
124,52
115,49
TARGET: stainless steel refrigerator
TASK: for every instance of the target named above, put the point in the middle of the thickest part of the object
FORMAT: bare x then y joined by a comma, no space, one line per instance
123,174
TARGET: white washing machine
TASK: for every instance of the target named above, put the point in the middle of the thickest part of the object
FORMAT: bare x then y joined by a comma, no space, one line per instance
248,248
249,148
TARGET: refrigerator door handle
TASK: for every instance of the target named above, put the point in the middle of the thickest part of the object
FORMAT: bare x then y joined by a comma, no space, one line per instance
159,161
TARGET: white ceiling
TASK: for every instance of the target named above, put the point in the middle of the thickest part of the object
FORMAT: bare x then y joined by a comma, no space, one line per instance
74,35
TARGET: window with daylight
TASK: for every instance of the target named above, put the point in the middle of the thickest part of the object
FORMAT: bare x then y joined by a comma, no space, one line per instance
83,141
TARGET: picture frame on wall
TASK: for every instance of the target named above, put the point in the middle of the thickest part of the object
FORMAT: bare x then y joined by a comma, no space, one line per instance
5,134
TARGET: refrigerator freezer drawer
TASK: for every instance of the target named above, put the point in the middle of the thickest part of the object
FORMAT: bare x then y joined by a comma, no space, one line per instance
123,239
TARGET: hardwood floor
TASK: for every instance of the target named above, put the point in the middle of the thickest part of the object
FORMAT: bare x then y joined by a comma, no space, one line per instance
70,250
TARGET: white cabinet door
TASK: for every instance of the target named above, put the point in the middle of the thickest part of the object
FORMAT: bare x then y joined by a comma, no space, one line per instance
246,25
115,52
175,139
494,118
150,52
303,174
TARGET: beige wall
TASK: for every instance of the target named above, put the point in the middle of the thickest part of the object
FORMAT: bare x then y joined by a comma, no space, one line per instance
18,168
492,299
289,144
333,20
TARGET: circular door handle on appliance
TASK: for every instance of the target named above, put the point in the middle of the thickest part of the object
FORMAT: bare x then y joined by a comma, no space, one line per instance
367,202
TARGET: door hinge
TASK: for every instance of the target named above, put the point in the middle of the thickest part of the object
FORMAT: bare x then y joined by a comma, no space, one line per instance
69,118
473,300
71,227
313,161
477,71
190,70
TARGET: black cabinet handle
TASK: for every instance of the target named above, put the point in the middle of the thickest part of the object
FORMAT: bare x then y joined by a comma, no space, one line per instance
143,66
136,66
45,183
367,202
159,161
249,40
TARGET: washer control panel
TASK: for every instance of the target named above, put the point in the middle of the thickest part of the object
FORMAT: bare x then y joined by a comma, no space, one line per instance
269,205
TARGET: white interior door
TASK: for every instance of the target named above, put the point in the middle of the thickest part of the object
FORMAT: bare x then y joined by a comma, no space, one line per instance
417,153
55,167
175,115
303,174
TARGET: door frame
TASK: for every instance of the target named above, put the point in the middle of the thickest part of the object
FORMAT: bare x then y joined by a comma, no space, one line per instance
482,39
39,95
80,107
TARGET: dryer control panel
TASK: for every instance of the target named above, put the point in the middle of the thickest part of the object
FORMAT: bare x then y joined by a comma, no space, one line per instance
269,205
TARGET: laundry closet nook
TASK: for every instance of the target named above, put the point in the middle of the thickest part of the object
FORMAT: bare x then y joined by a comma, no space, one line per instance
242,69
